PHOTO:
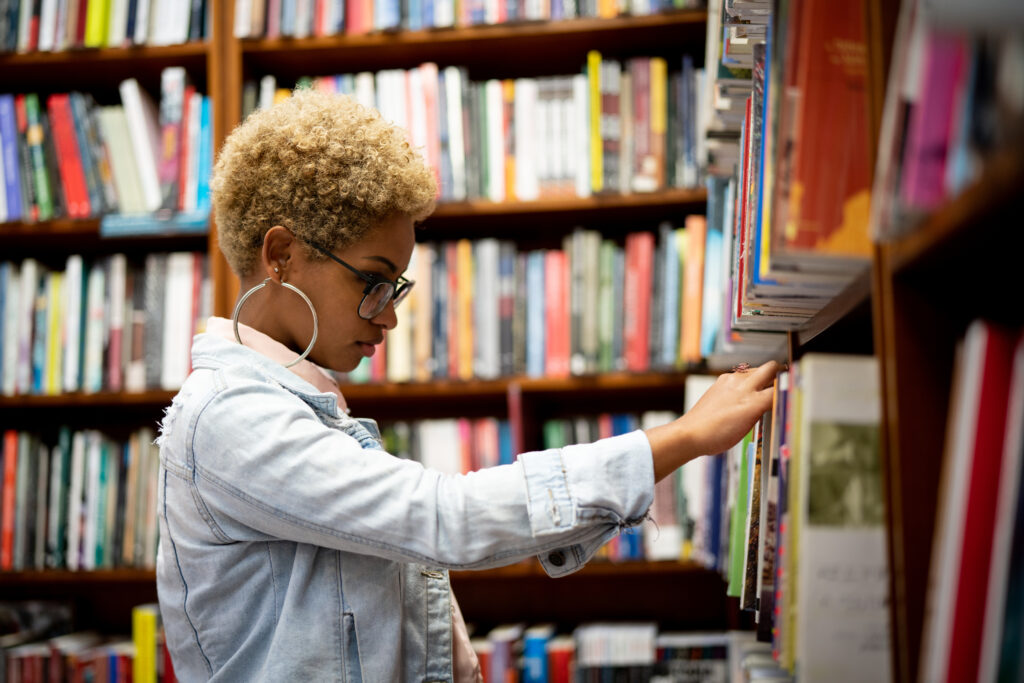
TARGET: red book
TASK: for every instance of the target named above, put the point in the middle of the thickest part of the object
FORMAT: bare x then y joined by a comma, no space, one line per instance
69,166
989,428
10,477
742,211
556,294
187,148
637,308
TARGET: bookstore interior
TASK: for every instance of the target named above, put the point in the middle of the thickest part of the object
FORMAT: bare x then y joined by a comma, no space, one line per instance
634,197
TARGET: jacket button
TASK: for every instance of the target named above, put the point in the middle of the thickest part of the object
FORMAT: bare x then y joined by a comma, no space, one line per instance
557,558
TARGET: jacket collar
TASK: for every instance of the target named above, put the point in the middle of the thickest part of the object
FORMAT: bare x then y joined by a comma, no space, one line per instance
213,352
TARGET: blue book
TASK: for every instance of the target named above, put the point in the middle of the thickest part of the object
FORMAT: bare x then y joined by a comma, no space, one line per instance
9,149
713,511
535,653
414,15
287,17
535,315
711,308
205,156
428,19
80,119
446,153
439,286
506,454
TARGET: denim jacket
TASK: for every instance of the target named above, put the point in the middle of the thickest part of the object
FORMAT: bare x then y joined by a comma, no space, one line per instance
293,548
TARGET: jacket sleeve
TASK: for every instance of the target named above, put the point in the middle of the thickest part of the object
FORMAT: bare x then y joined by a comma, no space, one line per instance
264,466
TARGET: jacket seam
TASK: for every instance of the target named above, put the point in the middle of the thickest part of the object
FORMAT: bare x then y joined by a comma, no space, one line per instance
184,584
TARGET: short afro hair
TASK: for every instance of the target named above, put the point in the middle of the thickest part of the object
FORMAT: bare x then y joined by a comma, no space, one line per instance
321,165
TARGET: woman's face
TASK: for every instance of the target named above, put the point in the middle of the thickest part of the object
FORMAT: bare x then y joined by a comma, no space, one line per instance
344,338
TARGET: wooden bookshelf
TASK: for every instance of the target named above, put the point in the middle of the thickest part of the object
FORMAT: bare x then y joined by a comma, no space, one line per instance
959,264
79,400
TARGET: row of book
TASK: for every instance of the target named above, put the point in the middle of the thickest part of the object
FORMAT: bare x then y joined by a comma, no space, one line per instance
302,18
106,325
70,157
83,502
610,651
58,25
40,644
794,518
616,127
951,106
480,309
461,445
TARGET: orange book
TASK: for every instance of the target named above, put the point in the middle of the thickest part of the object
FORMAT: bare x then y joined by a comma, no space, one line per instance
639,268
10,476
693,288
508,99
831,176
464,302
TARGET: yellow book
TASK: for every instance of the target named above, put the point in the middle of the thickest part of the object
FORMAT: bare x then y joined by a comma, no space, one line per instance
508,92
464,303
54,332
281,94
145,622
594,90
659,117
96,19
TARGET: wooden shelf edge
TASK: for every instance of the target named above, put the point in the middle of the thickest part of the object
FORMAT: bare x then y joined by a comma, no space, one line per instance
611,381
1002,181
66,576
102,399
622,570
855,293
569,204
472,34
106,54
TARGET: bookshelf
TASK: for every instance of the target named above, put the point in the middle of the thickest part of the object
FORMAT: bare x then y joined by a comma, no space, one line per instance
957,266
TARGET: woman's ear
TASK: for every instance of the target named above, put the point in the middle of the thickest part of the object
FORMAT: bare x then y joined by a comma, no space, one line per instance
278,245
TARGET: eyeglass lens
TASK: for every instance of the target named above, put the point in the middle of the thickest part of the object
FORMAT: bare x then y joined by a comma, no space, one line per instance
375,301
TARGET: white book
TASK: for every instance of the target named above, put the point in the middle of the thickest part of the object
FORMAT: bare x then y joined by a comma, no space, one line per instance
114,128
842,632
303,18
418,130
439,445
581,135
444,13
24,22
12,318
95,330
526,151
75,497
47,25
268,87
243,18
142,12
90,522
486,321
453,87
365,90
495,108
141,113
666,543
147,526
73,305
117,25
26,320
178,315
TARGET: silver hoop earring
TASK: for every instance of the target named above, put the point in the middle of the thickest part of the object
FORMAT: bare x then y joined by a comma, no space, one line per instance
241,302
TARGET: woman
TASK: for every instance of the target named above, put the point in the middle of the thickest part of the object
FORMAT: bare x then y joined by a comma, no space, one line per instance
292,547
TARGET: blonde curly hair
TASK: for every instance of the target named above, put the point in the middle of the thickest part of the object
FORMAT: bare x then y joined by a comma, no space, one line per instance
321,165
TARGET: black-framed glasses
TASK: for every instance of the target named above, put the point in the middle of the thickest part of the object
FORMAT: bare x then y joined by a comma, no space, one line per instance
378,291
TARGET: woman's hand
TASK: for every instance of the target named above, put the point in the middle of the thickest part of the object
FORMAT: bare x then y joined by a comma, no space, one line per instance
722,416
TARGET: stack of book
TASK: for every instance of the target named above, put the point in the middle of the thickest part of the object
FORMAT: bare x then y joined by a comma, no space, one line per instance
616,127
85,502
592,306
106,325
132,162
791,192
57,25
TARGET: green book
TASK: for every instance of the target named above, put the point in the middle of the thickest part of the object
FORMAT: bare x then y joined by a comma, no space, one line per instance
738,523
35,139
